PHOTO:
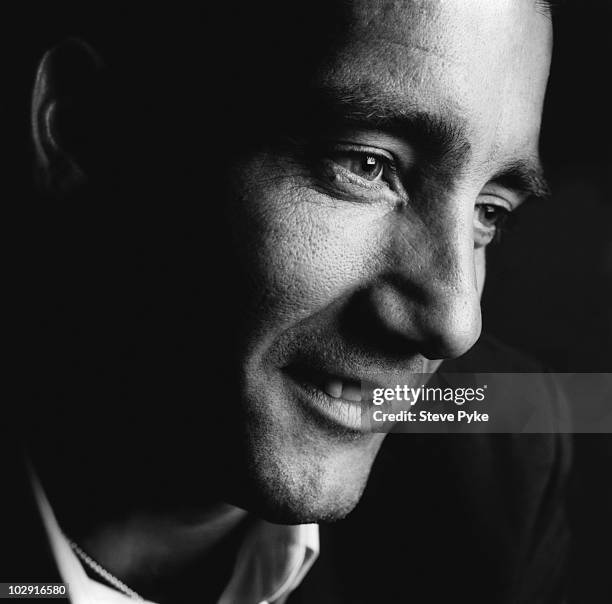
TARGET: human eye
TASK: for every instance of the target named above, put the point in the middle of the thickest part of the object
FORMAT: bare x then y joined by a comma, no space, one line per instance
490,219
360,172
366,165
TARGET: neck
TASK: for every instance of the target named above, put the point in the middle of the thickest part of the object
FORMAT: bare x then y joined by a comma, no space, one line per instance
162,553
164,558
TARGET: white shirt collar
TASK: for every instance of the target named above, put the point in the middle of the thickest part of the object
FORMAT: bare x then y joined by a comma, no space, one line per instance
272,561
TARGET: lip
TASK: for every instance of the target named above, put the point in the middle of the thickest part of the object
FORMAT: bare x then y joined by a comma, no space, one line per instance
338,411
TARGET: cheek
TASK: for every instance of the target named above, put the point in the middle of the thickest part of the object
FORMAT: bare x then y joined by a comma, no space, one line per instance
302,249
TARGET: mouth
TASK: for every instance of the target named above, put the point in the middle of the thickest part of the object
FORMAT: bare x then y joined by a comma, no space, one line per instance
334,399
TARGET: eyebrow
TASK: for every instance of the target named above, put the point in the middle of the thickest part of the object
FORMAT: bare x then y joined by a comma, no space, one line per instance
441,137
524,176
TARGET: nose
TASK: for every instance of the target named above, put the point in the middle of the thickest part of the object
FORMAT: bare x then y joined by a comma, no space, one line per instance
427,294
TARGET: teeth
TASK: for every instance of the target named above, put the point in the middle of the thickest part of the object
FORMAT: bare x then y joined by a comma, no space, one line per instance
352,392
333,388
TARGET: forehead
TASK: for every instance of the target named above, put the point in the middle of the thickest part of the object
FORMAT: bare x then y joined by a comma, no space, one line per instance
485,61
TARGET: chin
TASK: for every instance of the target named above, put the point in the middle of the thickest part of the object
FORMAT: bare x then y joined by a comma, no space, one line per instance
306,482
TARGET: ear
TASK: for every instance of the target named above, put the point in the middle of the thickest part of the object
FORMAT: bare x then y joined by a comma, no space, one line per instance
65,116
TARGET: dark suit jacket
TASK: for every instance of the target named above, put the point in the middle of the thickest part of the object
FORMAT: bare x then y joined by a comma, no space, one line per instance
474,518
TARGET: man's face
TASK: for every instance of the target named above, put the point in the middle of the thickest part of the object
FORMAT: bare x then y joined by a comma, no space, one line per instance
363,241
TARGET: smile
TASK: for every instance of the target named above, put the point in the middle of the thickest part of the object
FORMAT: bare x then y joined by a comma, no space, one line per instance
335,400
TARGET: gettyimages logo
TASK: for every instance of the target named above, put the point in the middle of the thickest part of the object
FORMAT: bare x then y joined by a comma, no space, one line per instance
500,403
411,395
424,405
